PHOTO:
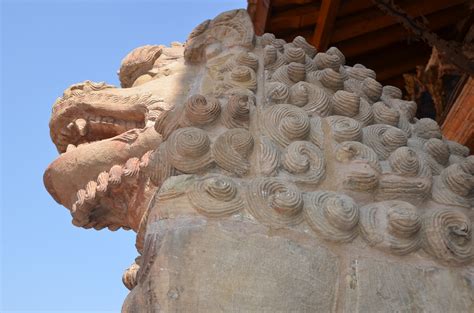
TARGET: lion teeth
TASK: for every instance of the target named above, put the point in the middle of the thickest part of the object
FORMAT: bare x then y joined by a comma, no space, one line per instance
81,125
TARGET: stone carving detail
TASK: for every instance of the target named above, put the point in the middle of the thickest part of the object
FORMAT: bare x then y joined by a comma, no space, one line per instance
290,74
383,114
241,77
300,42
333,216
409,179
285,123
242,59
237,130
189,150
391,225
216,196
129,277
345,128
268,157
159,167
229,29
448,236
200,111
352,150
312,99
78,119
138,62
277,93
384,139
103,192
304,162
330,79
237,112
274,201
231,150
455,184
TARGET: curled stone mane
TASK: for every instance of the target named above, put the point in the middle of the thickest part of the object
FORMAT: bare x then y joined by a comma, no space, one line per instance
263,175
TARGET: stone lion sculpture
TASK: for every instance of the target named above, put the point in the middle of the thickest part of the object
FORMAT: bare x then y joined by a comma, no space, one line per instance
264,176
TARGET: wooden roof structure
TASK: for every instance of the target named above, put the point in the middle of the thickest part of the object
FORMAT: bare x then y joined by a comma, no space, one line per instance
367,35
361,30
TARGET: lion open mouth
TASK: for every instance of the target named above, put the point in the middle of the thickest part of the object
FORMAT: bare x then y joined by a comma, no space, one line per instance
90,112
103,134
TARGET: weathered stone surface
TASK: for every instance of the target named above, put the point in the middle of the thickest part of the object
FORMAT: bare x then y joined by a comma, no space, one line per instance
254,170
380,286
233,266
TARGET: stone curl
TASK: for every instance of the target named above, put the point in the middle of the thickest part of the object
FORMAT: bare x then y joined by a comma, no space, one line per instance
285,123
325,60
215,196
268,157
392,226
236,114
331,215
301,42
231,150
383,114
277,93
330,79
270,55
304,162
290,74
311,98
448,236
349,151
242,77
455,185
274,202
199,111
188,150
384,139
345,128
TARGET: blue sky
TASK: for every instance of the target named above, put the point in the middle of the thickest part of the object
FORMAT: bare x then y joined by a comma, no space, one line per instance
46,263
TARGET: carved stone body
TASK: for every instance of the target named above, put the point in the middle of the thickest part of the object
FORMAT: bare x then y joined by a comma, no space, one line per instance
264,176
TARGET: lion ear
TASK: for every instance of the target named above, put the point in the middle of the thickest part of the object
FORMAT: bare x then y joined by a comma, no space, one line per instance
138,62
229,29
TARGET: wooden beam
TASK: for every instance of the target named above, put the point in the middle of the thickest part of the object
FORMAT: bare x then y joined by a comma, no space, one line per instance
394,69
349,7
285,3
397,81
324,25
395,59
260,15
459,122
389,35
293,19
306,32
373,19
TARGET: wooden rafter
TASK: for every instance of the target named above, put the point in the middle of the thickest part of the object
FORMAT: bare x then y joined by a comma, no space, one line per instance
395,33
285,3
458,124
373,19
324,25
403,58
362,31
451,50
349,7
260,15
293,19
